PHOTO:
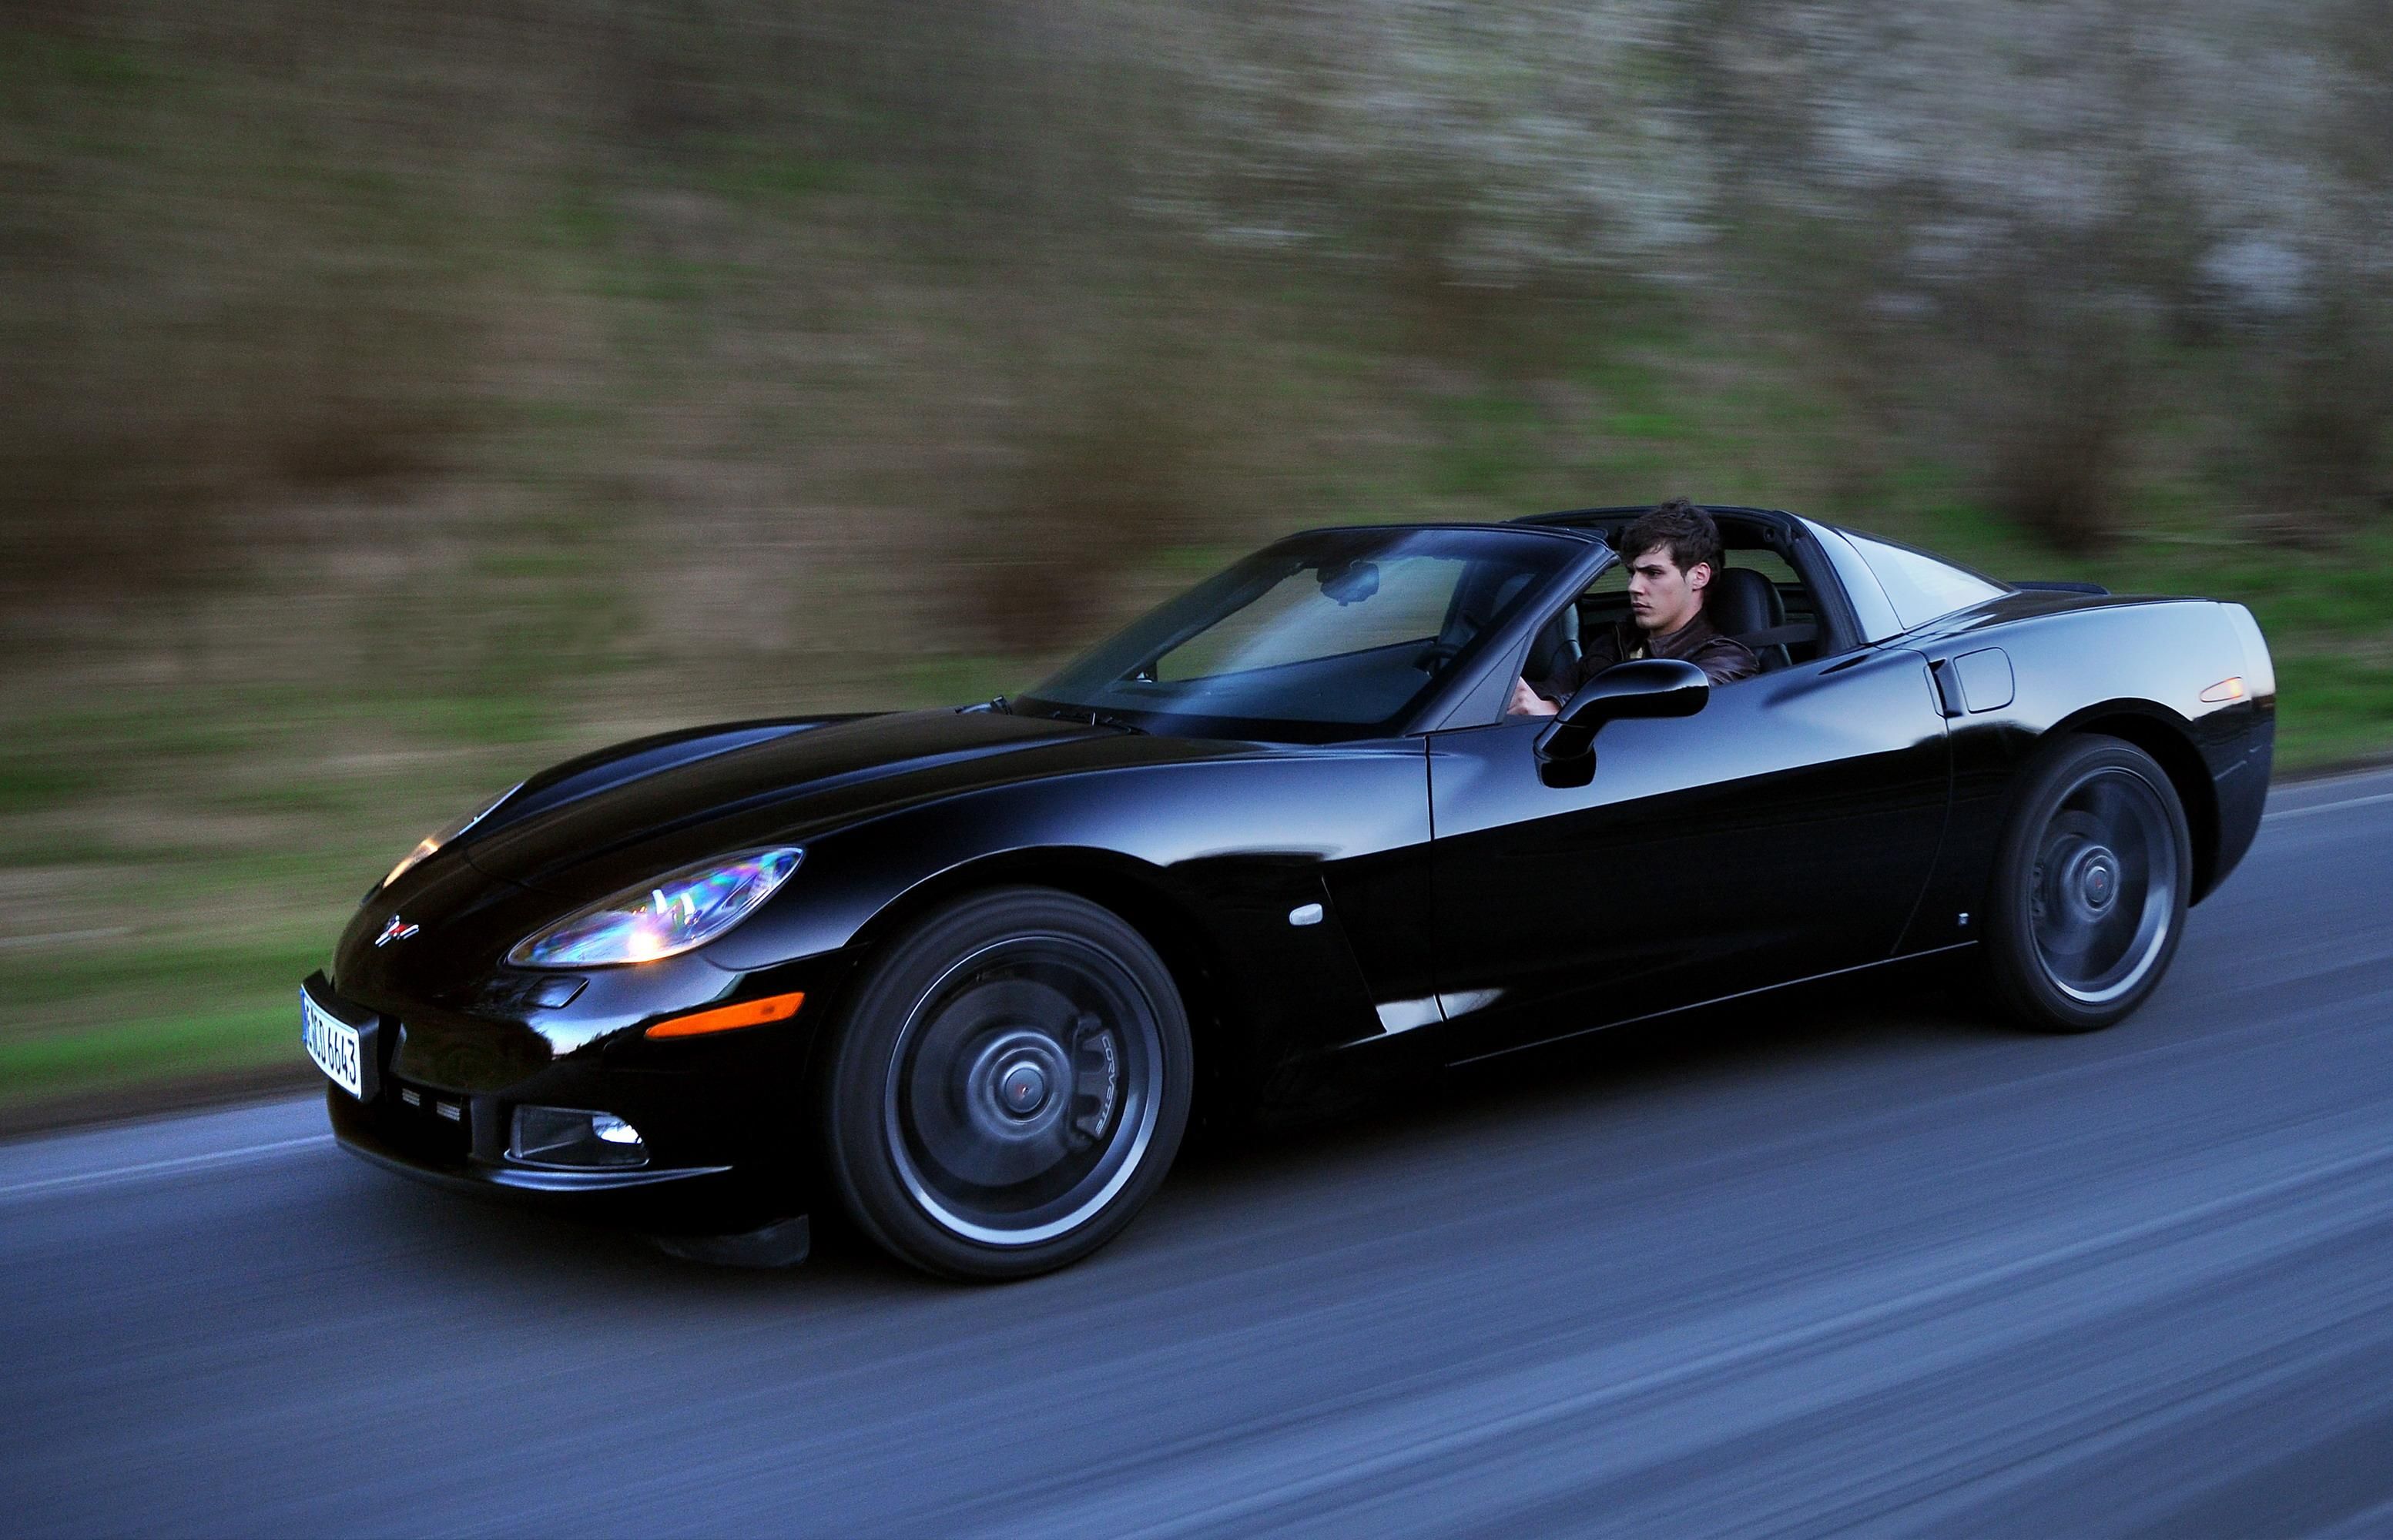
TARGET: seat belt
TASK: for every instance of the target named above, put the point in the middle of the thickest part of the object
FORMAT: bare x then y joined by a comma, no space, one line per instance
1779,637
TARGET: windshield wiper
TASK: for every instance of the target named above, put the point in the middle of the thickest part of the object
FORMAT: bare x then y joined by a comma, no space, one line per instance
1056,713
1092,716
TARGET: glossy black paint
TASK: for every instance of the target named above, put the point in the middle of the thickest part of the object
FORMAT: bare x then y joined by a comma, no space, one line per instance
2133,668
1642,687
1786,830
1832,814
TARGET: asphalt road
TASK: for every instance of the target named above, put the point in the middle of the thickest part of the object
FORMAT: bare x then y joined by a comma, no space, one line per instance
1849,1265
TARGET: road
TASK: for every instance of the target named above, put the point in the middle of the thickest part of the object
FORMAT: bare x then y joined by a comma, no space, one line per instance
1855,1264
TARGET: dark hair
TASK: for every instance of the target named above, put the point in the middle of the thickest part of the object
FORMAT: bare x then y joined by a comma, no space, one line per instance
1689,532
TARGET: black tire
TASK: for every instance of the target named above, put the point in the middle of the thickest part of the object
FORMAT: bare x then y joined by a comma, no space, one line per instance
1008,1086
2091,884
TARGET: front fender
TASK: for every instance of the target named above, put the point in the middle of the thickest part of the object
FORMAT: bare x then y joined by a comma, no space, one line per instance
1210,859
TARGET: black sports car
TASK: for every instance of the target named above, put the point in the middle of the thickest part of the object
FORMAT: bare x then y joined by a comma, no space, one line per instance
964,971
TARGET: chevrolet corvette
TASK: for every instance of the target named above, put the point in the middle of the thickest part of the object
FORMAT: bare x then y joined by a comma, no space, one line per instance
966,975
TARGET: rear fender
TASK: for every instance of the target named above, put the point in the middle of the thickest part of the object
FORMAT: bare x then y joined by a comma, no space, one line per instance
2135,670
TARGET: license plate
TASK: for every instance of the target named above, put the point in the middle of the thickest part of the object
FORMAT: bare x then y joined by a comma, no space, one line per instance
334,1044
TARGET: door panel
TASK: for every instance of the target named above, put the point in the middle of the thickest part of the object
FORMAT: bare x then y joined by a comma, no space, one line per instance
1785,829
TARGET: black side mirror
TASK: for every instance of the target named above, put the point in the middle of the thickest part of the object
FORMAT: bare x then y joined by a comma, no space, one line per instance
1646,687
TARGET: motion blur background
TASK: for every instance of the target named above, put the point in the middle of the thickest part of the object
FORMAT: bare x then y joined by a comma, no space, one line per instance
395,398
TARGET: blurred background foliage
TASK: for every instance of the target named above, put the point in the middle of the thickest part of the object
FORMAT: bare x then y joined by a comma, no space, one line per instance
395,398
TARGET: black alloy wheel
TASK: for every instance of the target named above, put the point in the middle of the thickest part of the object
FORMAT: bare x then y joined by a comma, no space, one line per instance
2090,886
1009,1085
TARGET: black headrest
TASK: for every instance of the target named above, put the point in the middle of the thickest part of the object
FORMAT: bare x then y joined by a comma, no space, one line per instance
1741,601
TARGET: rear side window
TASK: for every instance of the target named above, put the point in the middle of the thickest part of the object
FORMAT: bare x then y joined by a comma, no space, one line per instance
1767,563
1919,586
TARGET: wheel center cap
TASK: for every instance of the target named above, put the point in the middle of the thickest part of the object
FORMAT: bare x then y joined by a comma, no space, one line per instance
1023,1089
2098,880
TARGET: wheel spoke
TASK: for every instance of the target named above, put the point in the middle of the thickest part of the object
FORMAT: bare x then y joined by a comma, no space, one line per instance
1024,1088
2104,803
2101,857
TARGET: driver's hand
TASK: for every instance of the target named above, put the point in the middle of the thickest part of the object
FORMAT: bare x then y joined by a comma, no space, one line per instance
1528,702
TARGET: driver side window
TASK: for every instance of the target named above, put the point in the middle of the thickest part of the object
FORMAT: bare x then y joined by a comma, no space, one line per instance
1605,602
1603,606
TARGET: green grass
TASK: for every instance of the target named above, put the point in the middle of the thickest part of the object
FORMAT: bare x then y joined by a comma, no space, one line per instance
2332,708
88,1014
1487,450
30,782
211,1038
941,680
756,173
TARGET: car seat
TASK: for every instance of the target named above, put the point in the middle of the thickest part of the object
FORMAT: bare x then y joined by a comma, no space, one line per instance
1554,650
1744,602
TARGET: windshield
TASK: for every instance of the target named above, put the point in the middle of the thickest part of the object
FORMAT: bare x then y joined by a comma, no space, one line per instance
1335,629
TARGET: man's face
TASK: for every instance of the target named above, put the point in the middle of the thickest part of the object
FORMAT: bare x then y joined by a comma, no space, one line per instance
1661,597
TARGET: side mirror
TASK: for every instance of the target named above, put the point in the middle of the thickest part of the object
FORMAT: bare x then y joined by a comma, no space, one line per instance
1646,687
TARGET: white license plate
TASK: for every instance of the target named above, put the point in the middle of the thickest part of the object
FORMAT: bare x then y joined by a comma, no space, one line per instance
332,1044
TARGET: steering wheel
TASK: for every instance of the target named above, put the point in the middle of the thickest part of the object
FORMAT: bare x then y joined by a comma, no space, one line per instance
1437,655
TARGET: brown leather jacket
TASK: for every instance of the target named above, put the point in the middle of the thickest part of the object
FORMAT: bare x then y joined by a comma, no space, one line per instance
1723,659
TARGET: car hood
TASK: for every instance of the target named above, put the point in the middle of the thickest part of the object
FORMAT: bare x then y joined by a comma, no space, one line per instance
593,827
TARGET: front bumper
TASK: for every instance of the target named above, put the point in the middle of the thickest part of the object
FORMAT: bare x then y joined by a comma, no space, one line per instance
720,1120
367,1130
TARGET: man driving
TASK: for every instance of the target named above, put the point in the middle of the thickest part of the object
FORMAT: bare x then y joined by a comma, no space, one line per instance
1672,552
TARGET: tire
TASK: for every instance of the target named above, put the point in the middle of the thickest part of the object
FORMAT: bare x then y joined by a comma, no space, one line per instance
1008,1086
2091,883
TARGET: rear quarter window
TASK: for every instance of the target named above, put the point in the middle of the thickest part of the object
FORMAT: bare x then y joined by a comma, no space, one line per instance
1919,586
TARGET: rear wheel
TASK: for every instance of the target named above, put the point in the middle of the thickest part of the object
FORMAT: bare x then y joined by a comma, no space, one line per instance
1009,1085
2090,886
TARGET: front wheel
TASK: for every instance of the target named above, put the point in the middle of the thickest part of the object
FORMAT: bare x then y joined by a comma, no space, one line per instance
1009,1086
2091,884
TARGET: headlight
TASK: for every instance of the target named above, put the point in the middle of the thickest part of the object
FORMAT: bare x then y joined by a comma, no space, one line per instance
687,908
447,832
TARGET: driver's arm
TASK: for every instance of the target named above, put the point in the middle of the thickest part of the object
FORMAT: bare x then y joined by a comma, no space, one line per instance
1545,697
1528,702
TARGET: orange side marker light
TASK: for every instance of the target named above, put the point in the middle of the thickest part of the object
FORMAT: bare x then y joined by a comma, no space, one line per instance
726,1018
2226,689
